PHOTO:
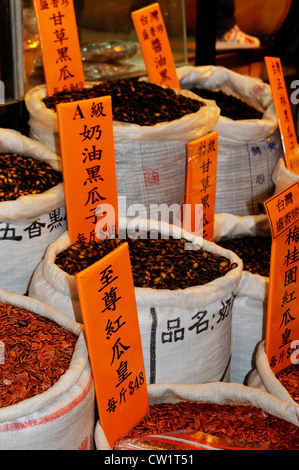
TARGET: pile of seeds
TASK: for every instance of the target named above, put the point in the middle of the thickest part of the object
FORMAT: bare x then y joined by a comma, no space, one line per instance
255,252
229,105
242,424
159,264
20,176
37,351
290,380
133,101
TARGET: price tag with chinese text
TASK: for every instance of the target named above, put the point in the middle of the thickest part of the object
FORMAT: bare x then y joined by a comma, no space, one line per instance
283,112
282,330
201,185
109,312
155,46
58,34
88,164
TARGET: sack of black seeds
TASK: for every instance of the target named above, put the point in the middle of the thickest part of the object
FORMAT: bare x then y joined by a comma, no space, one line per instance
185,332
263,377
31,222
247,235
248,149
150,158
227,394
38,412
282,177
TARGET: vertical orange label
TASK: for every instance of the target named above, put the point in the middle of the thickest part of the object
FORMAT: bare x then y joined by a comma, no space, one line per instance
283,112
109,312
60,45
282,331
200,196
154,43
88,164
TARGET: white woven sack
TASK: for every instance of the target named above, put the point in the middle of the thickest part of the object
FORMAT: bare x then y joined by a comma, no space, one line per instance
30,223
282,177
263,377
185,334
216,392
62,417
150,160
250,304
248,149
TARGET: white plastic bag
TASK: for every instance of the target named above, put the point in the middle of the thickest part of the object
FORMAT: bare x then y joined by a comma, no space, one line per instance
250,304
30,223
248,149
150,160
216,392
62,417
185,333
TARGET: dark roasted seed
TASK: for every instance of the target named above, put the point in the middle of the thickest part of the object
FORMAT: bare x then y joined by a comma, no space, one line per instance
230,106
159,264
144,103
255,252
20,176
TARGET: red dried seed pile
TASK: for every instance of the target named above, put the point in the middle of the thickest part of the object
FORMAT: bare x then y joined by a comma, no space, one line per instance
37,352
241,424
290,380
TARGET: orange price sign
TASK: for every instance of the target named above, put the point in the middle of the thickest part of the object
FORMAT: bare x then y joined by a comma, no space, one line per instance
283,112
88,164
201,180
57,28
282,329
108,304
153,39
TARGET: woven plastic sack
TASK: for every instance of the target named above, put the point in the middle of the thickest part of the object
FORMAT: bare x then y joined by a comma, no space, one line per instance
62,417
150,160
248,149
216,392
262,377
282,177
251,297
30,223
190,327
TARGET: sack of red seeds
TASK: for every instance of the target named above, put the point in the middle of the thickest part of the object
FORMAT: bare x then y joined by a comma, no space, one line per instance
248,148
250,304
219,394
264,378
31,222
35,415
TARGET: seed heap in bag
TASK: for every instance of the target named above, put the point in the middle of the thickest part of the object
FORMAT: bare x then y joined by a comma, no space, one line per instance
255,252
243,424
135,102
37,351
159,263
20,176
